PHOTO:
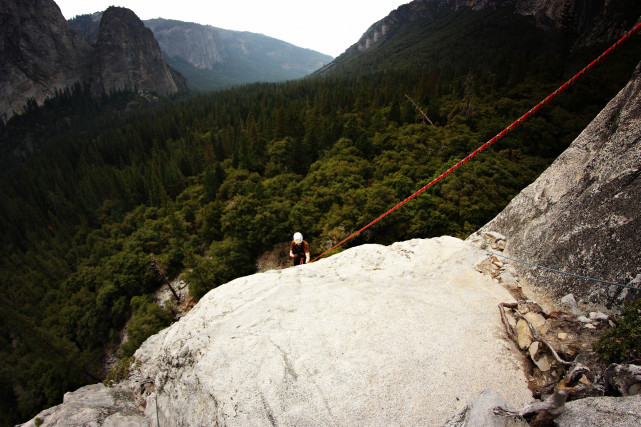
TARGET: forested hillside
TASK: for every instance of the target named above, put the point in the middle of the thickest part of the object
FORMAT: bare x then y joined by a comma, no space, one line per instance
207,184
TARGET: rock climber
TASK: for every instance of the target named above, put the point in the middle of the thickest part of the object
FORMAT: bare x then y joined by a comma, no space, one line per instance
299,250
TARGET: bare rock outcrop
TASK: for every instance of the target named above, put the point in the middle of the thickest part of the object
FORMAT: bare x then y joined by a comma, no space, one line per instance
94,405
39,52
601,411
128,57
582,214
396,335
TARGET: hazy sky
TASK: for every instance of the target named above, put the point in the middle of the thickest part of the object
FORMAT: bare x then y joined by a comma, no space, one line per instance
327,26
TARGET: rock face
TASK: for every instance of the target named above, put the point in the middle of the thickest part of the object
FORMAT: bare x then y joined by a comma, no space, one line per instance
128,57
40,54
582,214
398,335
200,45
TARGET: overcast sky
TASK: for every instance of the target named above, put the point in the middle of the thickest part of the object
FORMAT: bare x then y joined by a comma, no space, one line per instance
327,26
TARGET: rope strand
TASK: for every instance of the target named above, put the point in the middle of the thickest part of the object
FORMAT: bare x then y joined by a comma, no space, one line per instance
501,135
562,272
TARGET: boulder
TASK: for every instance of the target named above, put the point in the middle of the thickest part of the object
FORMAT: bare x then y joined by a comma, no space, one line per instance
93,405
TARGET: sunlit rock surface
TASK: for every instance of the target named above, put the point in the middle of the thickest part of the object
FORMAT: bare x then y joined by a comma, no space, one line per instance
405,335
400,335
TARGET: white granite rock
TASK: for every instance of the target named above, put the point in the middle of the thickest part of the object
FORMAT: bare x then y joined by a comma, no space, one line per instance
404,334
602,411
93,405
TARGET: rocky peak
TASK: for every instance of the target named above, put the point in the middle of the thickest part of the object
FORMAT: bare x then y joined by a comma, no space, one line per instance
128,57
40,53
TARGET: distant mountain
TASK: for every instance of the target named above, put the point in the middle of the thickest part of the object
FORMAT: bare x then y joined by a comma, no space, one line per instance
212,58
41,54
442,32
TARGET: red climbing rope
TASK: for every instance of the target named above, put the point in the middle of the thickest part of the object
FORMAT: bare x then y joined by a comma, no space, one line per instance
503,133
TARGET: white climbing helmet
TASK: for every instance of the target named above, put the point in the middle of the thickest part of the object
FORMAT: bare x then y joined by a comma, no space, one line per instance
298,238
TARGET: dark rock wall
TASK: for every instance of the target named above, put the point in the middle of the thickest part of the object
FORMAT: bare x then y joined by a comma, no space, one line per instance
39,53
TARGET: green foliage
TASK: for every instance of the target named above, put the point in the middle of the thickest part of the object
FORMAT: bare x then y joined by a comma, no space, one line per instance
622,343
119,372
229,258
148,318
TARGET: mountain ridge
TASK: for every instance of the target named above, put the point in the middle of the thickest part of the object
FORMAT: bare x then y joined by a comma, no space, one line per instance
592,19
213,58
571,24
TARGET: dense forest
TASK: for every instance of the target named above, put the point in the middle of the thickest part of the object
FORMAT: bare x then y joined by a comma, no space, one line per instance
91,189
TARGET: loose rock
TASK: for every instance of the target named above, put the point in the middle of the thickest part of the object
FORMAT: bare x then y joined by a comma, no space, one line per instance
596,315
523,334
624,379
569,303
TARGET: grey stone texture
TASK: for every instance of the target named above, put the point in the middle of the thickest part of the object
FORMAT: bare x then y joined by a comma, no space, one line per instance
582,214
